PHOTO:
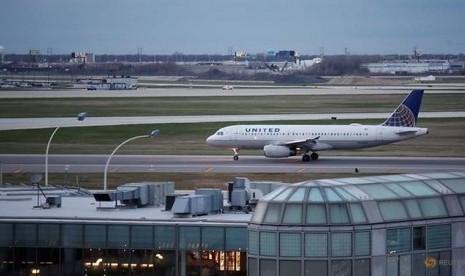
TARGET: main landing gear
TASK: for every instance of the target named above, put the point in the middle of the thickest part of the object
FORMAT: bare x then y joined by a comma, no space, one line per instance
306,157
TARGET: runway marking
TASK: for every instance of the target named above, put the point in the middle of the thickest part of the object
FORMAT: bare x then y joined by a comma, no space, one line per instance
18,170
209,170
302,170
114,170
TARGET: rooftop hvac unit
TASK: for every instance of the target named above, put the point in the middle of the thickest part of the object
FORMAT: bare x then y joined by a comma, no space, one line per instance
216,198
169,201
194,205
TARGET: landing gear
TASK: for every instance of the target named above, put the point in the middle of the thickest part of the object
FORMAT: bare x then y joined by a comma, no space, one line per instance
314,156
236,154
307,158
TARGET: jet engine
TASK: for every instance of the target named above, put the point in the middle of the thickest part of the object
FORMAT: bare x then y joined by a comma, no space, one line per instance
275,151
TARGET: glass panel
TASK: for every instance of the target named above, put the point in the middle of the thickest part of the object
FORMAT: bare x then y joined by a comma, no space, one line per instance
362,243
345,195
71,235
413,208
49,235
259,212
418,188
433,207
392,210
418,264
118,236
212,238
95,236
315,195
142,236
189,238
273,193
341,268
446,259
236,239
283,195
6,238
341,244
405,265
298,195
292,214
267,244
362,267
165,237
419,238
338,213
289,245
316,268
273,213
398,240
25,234
253,243
316,245
431,263
316,214
392,266
399,190
289,268
356,211
331,195
456,185
462,201
438,236
267,268
252,268
377,191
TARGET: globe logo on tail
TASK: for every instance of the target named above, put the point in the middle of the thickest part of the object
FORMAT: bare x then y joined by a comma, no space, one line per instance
402,116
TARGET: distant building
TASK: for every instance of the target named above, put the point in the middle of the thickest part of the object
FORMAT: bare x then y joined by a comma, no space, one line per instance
82,57
409,67
112,83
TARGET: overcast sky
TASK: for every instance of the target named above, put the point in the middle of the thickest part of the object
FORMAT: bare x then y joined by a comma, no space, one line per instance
213,26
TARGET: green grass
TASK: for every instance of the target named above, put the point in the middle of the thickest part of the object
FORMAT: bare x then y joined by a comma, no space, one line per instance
446,139
171,106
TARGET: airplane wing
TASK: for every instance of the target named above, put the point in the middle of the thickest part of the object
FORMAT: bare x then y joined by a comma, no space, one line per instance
304,143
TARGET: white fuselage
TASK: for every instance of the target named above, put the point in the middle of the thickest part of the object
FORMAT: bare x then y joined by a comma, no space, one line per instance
328,137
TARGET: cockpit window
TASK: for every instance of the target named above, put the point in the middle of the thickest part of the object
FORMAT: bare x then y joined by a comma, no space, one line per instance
219,133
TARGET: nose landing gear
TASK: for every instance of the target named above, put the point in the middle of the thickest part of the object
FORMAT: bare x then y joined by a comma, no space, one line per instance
236,154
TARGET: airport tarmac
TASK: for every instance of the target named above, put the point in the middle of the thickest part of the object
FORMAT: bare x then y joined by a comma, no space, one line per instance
217,91
225,164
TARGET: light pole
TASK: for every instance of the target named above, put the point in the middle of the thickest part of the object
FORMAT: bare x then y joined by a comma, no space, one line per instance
80,117
154,133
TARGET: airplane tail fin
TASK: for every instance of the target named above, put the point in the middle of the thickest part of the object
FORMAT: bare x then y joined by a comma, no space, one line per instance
406,113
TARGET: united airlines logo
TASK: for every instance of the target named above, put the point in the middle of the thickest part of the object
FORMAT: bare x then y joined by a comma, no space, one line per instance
262,130
403,116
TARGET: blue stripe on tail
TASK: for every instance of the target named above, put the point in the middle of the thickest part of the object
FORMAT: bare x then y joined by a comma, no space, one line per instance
406,114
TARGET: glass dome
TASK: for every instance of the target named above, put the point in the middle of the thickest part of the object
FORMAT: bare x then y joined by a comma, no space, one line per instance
362,200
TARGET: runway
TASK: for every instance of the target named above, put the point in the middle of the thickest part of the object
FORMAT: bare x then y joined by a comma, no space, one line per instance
225,164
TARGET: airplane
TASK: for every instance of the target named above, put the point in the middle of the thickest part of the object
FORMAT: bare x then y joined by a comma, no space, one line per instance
279,141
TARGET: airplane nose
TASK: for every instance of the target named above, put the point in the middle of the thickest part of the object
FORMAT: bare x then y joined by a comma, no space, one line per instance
209,139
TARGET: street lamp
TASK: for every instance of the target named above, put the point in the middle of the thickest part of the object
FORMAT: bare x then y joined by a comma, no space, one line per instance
80,117
154,133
